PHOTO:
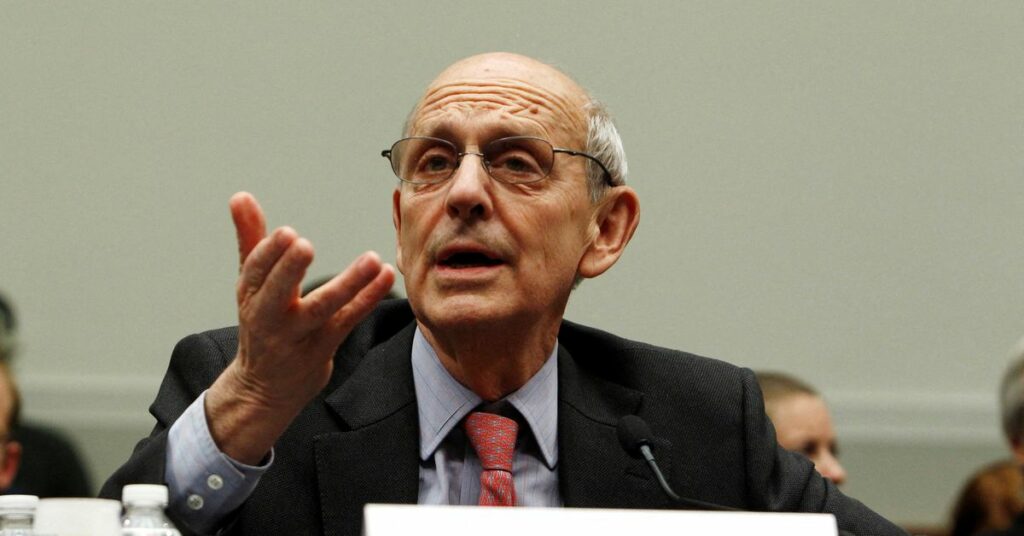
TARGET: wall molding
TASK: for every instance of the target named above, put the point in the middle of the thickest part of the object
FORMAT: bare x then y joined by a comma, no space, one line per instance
876,417
909,417
89,401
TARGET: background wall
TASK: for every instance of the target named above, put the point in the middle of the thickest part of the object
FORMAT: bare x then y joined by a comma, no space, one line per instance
833,189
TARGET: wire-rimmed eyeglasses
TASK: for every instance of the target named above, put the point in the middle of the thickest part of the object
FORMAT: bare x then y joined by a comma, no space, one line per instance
512,160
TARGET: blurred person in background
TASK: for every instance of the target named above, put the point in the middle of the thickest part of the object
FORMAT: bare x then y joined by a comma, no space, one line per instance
1011,402
989,501
10,450
36,460
802,422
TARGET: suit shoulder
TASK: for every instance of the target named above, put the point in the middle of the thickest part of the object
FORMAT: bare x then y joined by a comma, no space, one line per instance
608,349
220,337
216,345
675,377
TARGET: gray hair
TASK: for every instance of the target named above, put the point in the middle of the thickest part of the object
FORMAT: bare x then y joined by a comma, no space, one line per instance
1011,396
605,144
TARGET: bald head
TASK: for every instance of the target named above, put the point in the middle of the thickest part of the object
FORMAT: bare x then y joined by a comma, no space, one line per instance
509,87
512,87
507,64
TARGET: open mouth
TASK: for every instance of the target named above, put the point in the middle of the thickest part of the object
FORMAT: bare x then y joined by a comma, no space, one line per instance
469,259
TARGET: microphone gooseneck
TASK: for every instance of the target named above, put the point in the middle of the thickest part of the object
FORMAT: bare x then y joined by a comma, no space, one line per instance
636,438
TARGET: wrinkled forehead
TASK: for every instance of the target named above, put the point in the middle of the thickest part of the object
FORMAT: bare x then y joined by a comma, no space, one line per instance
502,94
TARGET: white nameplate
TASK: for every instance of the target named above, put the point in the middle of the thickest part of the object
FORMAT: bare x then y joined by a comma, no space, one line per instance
403,520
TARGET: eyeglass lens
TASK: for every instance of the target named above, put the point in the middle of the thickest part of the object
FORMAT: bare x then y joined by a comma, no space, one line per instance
515,160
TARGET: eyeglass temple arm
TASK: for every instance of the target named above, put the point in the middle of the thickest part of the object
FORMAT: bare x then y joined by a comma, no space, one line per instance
607,174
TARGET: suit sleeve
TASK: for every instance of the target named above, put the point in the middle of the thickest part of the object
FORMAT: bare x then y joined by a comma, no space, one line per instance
204,484
195,363
783,481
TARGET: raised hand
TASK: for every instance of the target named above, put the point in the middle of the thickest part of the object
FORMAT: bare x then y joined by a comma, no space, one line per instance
286,342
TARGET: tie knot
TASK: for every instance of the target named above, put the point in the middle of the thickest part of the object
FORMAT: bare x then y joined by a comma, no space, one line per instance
494,439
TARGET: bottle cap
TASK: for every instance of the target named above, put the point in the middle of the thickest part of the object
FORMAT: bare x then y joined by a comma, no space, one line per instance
153,494
18,504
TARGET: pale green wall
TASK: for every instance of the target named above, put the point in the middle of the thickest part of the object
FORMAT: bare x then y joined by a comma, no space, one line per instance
829,188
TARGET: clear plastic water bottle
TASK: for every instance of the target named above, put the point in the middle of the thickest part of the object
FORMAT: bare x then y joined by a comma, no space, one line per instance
144,511
17,513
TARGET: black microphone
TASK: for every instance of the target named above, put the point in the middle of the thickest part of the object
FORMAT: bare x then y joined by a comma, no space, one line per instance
635,437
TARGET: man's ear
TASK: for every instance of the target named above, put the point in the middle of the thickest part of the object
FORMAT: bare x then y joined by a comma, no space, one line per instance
615,223
11,462
396,218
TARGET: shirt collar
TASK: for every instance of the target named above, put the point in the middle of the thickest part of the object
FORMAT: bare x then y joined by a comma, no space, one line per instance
443,402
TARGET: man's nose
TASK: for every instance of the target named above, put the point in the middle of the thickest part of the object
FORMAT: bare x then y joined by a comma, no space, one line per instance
829,467
469,189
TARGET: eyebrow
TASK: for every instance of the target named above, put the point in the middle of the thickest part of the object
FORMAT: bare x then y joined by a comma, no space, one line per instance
447,130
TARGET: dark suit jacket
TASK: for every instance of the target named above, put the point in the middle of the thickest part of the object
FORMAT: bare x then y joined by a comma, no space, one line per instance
50,464
357,442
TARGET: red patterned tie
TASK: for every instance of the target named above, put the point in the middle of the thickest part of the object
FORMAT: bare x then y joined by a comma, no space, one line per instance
494,439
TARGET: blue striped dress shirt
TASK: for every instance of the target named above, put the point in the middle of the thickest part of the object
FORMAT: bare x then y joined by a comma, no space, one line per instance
449,467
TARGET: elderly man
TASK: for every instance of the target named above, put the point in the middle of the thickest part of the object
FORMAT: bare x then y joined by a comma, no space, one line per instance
512,190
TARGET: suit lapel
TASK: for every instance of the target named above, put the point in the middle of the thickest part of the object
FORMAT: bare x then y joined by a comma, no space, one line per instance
377,459
594,469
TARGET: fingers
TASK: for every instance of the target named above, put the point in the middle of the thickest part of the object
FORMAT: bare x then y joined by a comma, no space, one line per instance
363,302
281,288
272,269
367,279
250,225
269,286
261,260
